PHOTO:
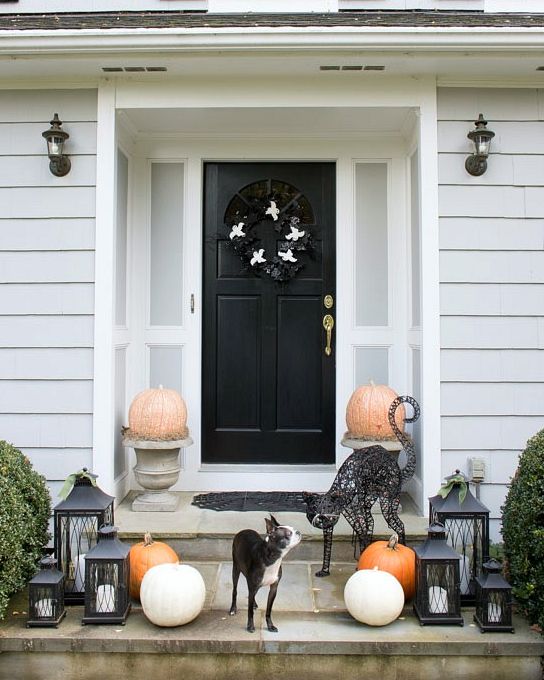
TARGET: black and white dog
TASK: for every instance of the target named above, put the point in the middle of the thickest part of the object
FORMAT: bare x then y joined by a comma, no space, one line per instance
259,560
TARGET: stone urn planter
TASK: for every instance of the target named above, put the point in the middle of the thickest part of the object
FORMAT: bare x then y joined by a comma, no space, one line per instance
157,431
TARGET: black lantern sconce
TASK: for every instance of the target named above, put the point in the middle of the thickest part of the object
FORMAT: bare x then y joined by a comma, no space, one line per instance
481,137
437,581
46,596
493,600
77,520
466,520
59,163
107,572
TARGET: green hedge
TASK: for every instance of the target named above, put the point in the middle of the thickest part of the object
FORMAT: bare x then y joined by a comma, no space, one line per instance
25,508
523,531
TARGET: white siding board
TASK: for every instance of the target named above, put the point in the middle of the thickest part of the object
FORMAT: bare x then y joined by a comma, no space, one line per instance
43,267
491,332
25,139
48,298
47,202
46,364
482,201
56,464
492,496
491,233
488,432
511,137
47,234
491,299
46,331
458,103
33,171
485,365
517,399
491,266
38,106
46,396
502,170
500,466
49,430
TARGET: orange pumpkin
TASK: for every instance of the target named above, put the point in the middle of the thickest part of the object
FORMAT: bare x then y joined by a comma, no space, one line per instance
397,559
158,414
367,412
145,555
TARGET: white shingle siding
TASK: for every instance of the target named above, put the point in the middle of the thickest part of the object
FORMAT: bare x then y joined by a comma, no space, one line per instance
47,281
492,283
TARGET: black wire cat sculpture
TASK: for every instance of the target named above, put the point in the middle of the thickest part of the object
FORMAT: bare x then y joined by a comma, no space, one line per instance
368,475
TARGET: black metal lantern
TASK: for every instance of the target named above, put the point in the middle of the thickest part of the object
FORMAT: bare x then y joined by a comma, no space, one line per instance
77,520
467,528
59,163
46,596
493,600
481,137
437,580
107,572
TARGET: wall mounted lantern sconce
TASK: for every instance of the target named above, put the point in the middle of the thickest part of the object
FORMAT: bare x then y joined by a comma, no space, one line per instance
481,138
59,164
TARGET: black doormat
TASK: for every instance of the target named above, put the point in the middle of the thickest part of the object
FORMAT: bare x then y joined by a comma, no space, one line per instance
251,501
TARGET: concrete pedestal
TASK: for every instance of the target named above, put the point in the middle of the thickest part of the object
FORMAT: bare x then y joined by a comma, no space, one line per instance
157,469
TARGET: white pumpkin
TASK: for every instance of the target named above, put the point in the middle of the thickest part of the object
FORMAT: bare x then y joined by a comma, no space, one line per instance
172,594
374,597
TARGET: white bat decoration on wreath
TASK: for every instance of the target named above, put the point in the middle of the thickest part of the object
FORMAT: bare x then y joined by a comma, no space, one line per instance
257,257
237,231
273,210
288,256
295,234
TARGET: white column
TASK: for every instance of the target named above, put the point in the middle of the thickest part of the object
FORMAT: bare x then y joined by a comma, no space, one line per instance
103,392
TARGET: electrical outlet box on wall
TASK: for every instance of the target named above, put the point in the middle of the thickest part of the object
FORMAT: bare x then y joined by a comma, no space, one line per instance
476,469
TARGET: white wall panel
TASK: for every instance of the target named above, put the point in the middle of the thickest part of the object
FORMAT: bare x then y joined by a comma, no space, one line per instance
488,432
46,363
46,396
46,266
500,466
47,234
49,430
510,137
491,332
488,365
46,331
489,299
492,266
56,464
498,104
52,202
38,106
491,233
482,201
47,298
25,139
518,399
33,171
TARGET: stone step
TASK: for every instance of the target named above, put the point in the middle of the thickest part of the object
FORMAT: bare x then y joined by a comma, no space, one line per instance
197,534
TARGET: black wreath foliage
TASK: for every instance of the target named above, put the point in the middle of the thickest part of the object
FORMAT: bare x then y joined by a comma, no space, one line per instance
277,268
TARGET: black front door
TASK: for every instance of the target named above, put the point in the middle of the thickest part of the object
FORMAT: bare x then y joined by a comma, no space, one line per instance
268,389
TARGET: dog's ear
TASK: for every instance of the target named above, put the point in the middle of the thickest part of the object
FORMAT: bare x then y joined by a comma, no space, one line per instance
271,524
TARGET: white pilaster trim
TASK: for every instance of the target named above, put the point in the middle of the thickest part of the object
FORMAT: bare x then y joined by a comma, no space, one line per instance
104,369
430,298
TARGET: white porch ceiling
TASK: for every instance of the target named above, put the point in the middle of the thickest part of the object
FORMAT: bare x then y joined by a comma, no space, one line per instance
268,120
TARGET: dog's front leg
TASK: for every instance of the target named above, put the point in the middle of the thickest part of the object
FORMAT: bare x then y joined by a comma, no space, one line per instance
251,605
271,597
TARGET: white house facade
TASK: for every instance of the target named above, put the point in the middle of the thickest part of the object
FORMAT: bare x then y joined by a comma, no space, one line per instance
118,276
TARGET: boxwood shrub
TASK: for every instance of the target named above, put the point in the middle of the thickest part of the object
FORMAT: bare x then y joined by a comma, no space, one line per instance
523,531
25,507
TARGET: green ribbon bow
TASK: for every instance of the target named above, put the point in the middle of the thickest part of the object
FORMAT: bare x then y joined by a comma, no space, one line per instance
451,482
70,481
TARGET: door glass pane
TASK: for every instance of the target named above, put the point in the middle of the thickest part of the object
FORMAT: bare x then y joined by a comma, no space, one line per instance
119,454
415,239
121,241
371,244
166,244
165,367
371,363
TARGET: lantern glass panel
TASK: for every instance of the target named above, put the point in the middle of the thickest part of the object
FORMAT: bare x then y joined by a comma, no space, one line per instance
482,143
441,589
46,596
104,586
55,145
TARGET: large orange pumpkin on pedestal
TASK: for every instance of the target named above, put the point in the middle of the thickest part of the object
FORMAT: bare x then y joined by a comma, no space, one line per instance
157,414
397,559
143,556
367,412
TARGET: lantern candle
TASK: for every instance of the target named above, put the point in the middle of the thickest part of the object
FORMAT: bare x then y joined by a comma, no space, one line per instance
105,599
44,608
494,612
79,574
438,600
464,566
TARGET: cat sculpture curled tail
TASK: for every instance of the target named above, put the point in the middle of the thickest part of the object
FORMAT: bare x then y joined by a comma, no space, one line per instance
366,476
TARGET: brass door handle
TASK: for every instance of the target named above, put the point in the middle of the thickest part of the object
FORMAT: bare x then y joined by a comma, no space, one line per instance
328,325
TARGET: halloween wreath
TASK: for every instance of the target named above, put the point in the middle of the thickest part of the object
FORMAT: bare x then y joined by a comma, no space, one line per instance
296,238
